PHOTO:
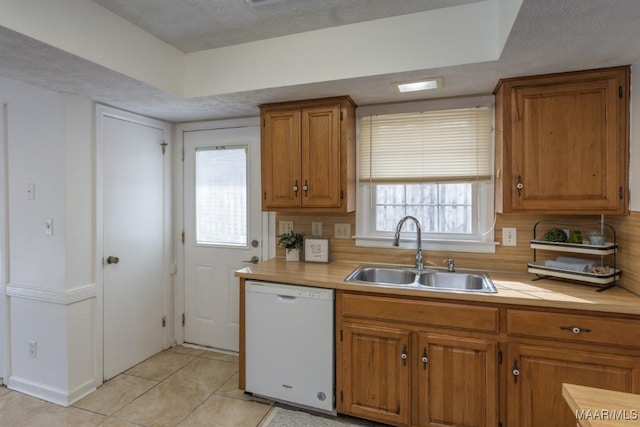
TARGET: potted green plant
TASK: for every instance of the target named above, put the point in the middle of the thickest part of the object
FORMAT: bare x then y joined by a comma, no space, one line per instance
292,242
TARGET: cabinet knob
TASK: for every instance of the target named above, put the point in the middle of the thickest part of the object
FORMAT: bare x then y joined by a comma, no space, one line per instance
305,187
295,188
519,185
575,329
425,358
404,356
515,371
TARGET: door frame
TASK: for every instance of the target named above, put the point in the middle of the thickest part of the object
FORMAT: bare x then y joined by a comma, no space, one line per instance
268,248
103,111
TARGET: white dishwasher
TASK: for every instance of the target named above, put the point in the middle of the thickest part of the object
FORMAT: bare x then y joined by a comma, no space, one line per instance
289,344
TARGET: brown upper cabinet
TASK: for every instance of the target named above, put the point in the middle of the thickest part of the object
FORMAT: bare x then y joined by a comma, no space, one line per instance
308,155
562,143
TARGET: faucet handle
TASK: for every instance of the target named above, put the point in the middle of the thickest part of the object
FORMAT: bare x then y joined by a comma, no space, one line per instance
450,265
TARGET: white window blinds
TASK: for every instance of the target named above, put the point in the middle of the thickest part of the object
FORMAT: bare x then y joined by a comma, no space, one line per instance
432,146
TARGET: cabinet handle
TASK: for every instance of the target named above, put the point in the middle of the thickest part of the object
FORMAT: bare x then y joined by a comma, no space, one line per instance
305,187
425,358
575,329
515,371
519,185
295,189
403,356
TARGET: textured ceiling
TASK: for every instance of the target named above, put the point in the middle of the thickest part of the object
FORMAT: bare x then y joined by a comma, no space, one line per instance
548,36
192,25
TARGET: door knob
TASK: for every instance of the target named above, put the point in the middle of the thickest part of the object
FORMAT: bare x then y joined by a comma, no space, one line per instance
254,260
113,260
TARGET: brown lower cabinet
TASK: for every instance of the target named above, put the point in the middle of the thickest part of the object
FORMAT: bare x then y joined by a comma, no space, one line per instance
415,362
537,373
405,374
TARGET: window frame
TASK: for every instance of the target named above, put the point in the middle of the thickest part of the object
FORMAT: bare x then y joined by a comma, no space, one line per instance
483,241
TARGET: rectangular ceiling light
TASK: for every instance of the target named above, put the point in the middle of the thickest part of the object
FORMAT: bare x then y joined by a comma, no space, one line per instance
435,83
255,3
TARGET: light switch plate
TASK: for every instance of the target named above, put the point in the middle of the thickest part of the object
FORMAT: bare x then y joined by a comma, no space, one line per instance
316,228
342,231
509,237
285,227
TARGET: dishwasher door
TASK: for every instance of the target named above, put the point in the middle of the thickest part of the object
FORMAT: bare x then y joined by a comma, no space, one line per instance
289,345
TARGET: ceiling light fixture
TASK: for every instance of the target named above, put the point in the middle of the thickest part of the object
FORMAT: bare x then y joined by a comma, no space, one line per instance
434,83
255,3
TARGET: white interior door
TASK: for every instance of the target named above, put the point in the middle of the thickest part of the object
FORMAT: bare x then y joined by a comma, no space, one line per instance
223,229
133,242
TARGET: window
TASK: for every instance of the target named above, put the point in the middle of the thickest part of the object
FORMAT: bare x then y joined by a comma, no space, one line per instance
432,163
221,196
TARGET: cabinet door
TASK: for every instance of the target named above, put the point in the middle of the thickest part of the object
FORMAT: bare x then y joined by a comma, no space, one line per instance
281,178
375,372
321,166
535,394
568,151
458,381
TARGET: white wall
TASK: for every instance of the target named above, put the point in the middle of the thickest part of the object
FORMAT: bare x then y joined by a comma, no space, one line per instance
50,286
4,318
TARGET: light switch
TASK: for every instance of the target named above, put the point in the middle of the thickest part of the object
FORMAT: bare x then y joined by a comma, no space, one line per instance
285,227
48,227
31,191
509,237
316,228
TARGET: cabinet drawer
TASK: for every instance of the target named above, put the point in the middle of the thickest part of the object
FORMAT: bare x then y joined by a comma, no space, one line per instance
574,327
484,319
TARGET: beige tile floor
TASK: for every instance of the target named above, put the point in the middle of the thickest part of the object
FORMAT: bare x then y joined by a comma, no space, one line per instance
178,387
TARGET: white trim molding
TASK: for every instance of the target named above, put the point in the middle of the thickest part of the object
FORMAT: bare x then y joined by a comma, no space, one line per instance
51,394
70,296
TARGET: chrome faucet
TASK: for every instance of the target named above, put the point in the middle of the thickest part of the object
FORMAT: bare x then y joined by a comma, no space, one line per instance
396,238
450,265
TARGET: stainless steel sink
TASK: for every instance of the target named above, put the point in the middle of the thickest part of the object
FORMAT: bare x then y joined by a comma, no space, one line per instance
429,279
391,276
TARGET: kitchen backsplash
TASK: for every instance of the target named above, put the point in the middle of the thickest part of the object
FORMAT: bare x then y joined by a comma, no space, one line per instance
509,258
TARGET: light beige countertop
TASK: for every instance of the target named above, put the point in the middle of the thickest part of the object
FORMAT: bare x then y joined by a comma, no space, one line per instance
513,288
595,407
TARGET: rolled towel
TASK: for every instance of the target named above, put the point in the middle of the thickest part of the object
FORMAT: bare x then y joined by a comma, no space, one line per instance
570,266
590,264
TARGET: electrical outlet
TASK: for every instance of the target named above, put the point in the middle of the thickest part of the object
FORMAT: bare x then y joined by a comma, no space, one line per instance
342,231
285,227
509,237
33,348
316,228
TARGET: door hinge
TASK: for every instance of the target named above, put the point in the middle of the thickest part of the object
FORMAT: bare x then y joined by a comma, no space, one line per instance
341,396
164,147
341,194
183,237
164,321
499,358
264,123
620,193
341,336
265,195
183,320
499,424
341,115
183,154
620,93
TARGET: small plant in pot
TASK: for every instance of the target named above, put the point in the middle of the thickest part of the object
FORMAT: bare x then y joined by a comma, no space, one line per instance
292,242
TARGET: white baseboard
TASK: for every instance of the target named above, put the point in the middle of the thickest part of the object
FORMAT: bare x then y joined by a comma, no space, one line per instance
51,394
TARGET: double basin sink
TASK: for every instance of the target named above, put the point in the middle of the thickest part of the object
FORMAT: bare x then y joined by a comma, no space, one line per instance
428,279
